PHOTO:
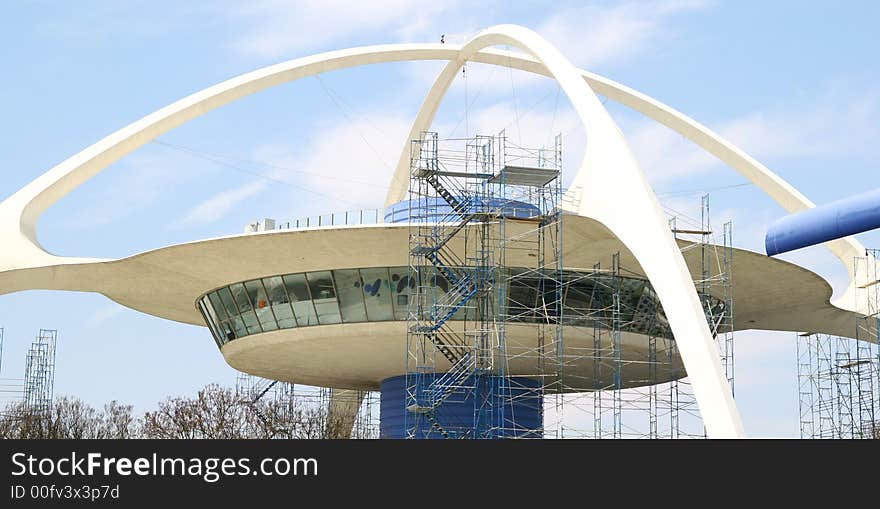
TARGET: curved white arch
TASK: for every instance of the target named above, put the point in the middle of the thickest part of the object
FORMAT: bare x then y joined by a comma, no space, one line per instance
19,212
653,245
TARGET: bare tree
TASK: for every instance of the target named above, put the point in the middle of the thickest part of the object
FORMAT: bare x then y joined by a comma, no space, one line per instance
214,413
67,418
218,412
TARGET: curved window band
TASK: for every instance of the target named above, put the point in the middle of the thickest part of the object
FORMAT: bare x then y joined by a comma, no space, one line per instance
379,294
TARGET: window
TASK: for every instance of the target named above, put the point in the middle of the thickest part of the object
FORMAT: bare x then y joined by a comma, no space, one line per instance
228,302
578,297
522,297
377,294
211,318
217,306
383,294
241,297
303,307
351,298
280,302
402,286
238,327
257,295
324,297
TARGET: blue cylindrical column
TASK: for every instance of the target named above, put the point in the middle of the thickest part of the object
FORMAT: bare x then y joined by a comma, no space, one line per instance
491,407
834,220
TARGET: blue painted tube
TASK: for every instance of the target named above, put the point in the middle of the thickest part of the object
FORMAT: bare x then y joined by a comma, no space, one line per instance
834,220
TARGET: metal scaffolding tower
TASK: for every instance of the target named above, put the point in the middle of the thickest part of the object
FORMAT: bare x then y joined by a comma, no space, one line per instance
476,204
39,374
839,377
699,244
292,402
838,387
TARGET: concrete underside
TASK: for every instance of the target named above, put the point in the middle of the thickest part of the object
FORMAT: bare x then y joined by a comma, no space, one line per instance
361,355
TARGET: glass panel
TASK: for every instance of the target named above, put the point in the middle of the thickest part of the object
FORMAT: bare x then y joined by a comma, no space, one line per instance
279,302
258,297
228,302
225,330
241,297
238,326
402,288
324,297
208,309
211,320
377,294
578,296
302,302
351,298
522,296
218,306
549,296
251,322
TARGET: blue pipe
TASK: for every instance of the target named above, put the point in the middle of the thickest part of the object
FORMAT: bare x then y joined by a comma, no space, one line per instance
834,220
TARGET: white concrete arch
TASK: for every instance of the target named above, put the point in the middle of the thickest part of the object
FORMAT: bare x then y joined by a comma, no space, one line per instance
19,212
640,226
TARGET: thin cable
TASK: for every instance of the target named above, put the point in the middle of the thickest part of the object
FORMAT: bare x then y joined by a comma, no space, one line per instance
207,154
513,90
464,78
474,100
348,117
704,190
255,174
340,100
531,108
555,109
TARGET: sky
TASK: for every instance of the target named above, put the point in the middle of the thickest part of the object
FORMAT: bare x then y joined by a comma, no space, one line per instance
796,84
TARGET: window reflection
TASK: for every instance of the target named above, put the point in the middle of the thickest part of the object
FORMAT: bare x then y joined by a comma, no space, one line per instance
303,307
324,297
228,301
351,298
280,302
260,302
241,297
402,286
377,294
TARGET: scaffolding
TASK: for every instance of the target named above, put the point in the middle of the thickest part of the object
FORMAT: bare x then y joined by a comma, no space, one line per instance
293,402
476,205
650,395
838,387
480,271
39,373
839,377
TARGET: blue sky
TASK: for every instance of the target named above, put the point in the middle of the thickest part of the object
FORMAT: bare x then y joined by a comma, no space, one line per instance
793,83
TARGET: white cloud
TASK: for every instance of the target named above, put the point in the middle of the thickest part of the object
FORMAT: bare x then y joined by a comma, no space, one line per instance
834,125
284,27
217,206
592,35
133,184
105,313
346,166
